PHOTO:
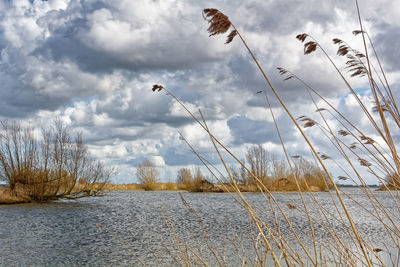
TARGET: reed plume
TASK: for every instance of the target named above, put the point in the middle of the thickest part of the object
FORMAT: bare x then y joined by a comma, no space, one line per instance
366,151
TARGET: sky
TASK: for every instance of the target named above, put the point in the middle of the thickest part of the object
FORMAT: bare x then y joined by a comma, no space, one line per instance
93,63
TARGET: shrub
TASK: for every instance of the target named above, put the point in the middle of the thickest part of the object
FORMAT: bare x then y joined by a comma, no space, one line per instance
184,176
193,181
147,174
49,168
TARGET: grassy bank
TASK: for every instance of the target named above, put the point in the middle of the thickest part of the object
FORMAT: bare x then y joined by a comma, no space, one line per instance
274,185
311,184
7,197
140,187
20,194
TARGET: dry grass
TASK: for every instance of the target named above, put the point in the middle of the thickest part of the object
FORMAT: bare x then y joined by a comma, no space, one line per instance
140,187
358,152
8,197
278,185
21,193
307,184
392,182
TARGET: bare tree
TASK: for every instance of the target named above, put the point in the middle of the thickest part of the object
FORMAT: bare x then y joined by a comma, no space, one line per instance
239,174
49,168
184,176
259,161
279,168
147,174
198,176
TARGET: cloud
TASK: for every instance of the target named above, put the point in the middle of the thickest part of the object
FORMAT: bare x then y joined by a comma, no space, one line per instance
93,63
386,42
106,35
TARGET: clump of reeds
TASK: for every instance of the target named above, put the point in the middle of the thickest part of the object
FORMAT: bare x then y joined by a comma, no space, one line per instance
9,197
357,150
393,181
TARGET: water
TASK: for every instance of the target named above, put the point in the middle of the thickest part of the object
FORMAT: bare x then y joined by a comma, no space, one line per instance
66,233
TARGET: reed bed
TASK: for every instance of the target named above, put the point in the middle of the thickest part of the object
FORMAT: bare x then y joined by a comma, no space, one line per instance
141,187
358,152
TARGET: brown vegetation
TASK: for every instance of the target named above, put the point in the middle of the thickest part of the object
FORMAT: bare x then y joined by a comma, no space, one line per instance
9,197
140,187
194,181
147,174
358,154
57,166
392,182
275,175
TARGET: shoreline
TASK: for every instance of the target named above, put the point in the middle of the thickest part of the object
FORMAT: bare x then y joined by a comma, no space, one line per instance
8,199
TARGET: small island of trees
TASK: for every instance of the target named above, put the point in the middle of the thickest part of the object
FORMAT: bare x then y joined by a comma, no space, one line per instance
50,166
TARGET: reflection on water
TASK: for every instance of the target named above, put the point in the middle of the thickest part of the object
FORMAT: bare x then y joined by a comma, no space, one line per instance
65,233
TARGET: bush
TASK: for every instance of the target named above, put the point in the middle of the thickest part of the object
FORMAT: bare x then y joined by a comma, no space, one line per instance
147,174
191,181
275,174
50,168
184,176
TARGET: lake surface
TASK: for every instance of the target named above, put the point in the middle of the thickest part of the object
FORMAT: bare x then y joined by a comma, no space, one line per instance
66,233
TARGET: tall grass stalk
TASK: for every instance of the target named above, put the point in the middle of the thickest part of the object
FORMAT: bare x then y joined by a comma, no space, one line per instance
381,161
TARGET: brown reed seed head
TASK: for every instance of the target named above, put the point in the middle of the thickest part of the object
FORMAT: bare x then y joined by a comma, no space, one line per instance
369,140
357,32
231,36
355,66
377,250
324,157
288,77
302,37
320,109
308,122
290,206
343,132
310,46
157,87
343,50
301,117
343,178
283,71
219,23
337,41
363,162
359,54
296,157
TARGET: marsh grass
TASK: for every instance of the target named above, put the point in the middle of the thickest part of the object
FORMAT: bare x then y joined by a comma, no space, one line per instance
393,182
9,197
141,187
358,152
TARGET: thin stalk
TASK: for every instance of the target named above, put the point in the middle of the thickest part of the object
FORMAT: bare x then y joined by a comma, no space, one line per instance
312,148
